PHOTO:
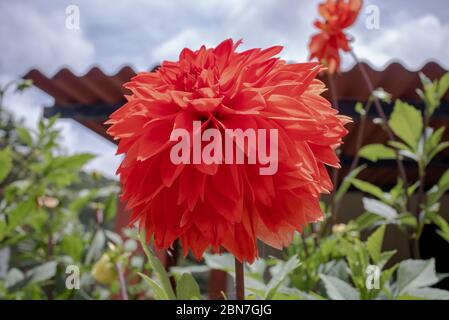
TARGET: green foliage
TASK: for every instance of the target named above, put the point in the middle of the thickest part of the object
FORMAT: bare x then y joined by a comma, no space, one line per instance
346,183
406,122
368,188
374,243
5,163
187,288
338,289
48,219
338,269
257,287
157,267
376,151
421,144
433,91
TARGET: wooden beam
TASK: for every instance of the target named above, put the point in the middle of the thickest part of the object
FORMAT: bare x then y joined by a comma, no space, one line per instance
98,111
102,111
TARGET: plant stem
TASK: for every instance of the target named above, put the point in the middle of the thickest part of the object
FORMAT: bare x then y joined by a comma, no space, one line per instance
358,143
121,278
421,198
50,287
304,242
333,91
239,280
381,113
360,133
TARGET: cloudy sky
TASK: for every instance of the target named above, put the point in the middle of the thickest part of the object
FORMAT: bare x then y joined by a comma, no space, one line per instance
141,33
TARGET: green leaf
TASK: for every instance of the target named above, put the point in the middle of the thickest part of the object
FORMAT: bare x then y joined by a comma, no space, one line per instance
25,136
426,82
433,138
406,122
411,189
41,273
74,162
414,274
407,219
187,288
387,274
96,247
20,213
374,243
443,183
359,108
443,85
438,191
5,163
440,147
3,228
366,220
223,261
339,290
430,95
379,208
385,257
158,292
280,276
73,246
295,294
110,208
61,178
189,269
158,269
14,277
429,293
400,146
82,200
368,188
443,225
346,183
52,120
377,151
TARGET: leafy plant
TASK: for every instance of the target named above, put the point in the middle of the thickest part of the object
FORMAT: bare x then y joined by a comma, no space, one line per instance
419,143
52,214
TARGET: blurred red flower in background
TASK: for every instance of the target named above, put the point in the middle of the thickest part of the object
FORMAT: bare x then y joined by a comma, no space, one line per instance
226,205
337,15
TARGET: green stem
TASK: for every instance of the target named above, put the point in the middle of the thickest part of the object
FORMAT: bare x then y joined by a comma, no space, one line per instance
382,114
421,200
359,142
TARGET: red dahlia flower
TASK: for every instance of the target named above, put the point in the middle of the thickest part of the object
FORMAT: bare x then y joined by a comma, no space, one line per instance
226,205
337,15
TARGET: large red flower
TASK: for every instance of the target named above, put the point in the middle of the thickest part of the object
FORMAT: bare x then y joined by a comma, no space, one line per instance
226,205
325,45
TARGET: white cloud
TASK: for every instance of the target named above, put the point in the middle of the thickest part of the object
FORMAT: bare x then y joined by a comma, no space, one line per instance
413,42
40,39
